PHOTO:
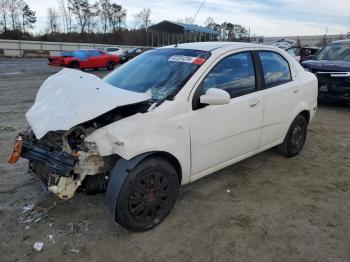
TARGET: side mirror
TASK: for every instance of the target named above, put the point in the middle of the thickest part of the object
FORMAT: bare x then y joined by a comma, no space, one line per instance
215,96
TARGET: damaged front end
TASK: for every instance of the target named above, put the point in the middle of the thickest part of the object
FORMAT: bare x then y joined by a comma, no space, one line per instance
55,146
63,162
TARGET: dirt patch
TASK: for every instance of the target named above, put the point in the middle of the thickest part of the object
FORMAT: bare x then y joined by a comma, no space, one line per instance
266,208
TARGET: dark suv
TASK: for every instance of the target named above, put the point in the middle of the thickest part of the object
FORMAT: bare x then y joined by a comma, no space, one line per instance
332,68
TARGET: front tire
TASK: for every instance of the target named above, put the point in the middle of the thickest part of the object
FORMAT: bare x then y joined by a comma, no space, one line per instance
110,65
295,138
147,195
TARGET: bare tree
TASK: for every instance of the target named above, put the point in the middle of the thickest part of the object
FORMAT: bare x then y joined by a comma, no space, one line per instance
52,20
84,13
186,20
91,25
66,15
14,8
117,17
104,12
209,21
145,18
142,19
4,14
136,21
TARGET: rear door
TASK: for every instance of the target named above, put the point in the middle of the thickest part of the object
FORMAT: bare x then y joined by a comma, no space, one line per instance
220,133
281,96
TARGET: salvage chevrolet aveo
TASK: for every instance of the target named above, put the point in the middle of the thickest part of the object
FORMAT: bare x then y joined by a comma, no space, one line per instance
166,118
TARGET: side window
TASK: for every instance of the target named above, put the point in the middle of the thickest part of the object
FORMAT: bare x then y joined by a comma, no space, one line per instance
276,69
112,49
234,74
295,51
94,53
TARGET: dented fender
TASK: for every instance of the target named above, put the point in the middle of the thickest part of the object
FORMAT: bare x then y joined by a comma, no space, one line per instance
156,131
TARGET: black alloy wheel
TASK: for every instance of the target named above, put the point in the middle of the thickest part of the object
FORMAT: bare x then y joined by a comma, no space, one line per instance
295,138
148,198
147,195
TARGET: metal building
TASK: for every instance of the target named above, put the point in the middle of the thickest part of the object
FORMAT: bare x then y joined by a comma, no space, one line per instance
168,32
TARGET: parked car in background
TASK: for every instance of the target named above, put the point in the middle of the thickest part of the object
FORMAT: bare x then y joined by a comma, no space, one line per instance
85,59
116,51
332,68
284,43
113,50
302,54
166,118
133,52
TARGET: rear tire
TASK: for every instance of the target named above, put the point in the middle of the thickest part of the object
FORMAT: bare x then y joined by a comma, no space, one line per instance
295,138
75,64
110,65
147,195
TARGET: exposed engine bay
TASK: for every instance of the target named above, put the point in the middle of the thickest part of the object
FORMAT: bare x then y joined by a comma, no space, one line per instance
64,161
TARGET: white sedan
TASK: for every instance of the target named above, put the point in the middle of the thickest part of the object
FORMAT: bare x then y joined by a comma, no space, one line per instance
166,118
113,50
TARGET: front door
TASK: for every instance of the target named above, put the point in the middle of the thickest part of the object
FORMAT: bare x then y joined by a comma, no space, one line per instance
96,59
220,133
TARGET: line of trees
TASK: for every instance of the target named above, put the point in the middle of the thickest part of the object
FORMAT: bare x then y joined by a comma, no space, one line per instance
229,31
83,17
103,16
16,18
75,20
102,21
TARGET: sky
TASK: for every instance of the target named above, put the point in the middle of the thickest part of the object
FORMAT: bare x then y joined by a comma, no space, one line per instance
263,17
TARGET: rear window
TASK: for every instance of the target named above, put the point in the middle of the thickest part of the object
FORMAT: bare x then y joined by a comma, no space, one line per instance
162,71
276,68
112,49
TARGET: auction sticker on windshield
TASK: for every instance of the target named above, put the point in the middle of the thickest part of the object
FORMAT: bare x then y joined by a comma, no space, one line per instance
187,59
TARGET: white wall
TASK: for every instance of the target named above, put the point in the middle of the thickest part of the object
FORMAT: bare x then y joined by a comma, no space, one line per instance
41,48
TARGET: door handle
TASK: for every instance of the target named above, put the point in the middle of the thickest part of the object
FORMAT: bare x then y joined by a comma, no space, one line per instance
254,103
296,90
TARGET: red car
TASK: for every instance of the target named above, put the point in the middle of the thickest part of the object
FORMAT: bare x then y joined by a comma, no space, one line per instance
84,59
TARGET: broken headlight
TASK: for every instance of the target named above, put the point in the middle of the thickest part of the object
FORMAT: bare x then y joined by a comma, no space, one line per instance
91,147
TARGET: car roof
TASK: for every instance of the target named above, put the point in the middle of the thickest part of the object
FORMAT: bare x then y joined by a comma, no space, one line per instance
87,50
210,46
345,41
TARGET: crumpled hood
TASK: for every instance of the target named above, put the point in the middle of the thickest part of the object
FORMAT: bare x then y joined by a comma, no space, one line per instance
71,97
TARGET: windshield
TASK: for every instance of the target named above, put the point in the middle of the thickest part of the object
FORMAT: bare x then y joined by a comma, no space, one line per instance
162,71
339,51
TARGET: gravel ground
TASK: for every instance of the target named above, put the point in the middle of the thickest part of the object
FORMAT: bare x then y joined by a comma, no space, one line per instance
266,208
